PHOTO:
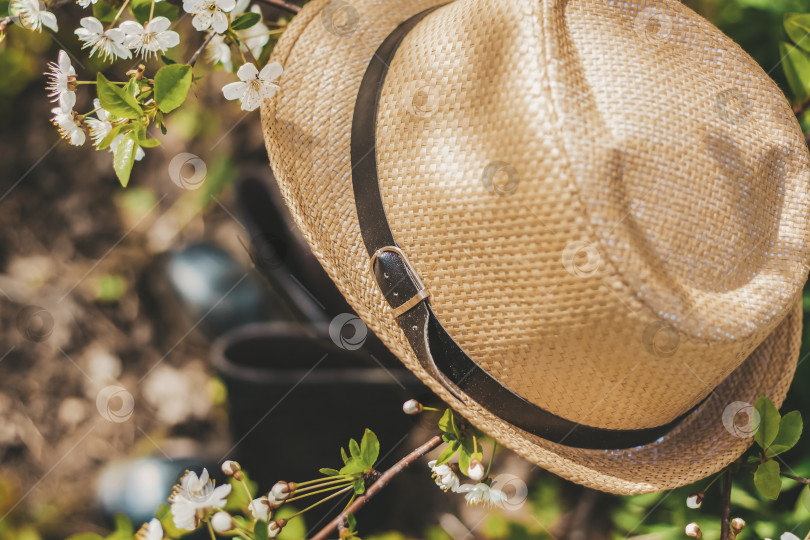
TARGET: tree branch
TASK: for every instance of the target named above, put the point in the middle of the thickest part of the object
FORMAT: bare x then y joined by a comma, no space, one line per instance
799,479
725,516
381,482
198,52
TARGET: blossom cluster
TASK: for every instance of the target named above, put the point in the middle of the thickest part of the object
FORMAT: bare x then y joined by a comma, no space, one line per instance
146,31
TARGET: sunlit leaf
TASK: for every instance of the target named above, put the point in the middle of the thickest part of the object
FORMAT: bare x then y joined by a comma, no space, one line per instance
767,479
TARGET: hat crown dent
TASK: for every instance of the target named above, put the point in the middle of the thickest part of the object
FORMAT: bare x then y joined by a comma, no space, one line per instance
698,264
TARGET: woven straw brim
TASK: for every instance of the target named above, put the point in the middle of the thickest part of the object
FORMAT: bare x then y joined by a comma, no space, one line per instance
307,127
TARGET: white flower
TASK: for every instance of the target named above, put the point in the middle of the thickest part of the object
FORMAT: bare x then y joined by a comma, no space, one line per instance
230,468
69,124
273,528
31,16
86,3
693,531
482,494
150,531
476,470
222,522
695,500
153,39
61,77
195,494
257,36
209,13
219,51
260,509
444,476
100,127
412,407
108,43
789,536
255,86
281,490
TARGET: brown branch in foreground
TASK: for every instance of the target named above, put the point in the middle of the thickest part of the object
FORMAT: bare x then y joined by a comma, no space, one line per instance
282,5
725,516
381,482
799,479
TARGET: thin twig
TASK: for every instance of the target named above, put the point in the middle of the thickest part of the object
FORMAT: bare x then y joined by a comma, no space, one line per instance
799,479
381,482
199,51
282,5
725,516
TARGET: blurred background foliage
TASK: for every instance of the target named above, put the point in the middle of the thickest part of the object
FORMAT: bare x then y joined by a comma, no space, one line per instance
225,137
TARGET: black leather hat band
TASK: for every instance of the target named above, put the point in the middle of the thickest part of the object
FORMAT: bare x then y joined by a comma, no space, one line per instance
437,352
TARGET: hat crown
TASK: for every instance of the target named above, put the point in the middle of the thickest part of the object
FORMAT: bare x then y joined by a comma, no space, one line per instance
600,197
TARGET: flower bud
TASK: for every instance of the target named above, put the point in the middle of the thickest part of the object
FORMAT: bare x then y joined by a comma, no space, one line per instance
222,522
274,527
737,525
476,470
230,468
412,407
695,500
693,531
281,490
260,509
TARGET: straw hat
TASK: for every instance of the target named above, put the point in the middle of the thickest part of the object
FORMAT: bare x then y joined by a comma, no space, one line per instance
589,218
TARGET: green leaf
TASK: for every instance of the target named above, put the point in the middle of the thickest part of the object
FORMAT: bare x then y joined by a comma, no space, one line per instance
116,100
114,132
448,453
354,466
359,486
369,448
796,65
171,86
464,456
351,522
124,157
790,429
767,480
166,60
260,530
769,418
140,10
148,143
104,12
797,26
239,499
245,20
329,472
447,423
85,536
354,448
343,455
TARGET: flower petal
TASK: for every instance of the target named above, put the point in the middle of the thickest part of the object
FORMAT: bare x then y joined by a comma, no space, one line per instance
129,28
92,24
158,24
271,71
219,22
247,72
49,19
233,90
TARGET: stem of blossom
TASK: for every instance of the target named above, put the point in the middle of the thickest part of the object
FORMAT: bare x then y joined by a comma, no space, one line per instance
211,530
151,11
310,507
330,488
725,515
247,490
381,482
282,5
343,479
117,15
320,480
491,457
199,51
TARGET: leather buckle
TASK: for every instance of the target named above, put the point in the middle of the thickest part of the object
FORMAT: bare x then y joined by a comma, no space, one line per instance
397,280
